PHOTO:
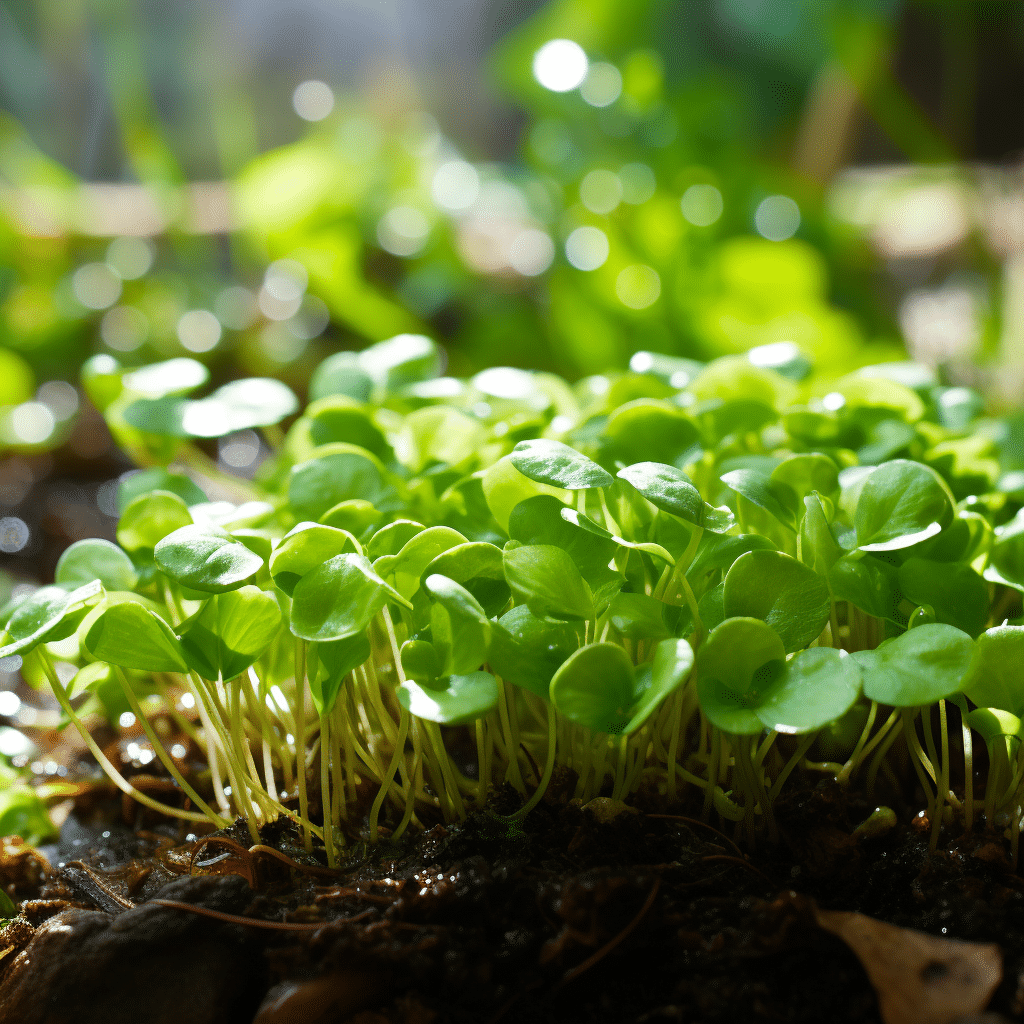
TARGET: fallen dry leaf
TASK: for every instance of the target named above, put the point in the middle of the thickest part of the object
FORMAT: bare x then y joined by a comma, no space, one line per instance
918,978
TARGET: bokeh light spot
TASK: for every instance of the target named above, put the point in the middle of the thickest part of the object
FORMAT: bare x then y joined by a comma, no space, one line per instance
531,252
130,258
402,231
455,186
603,84
638,286
560,65
777,218
313,100
124,328
96,286
601,191
587,248
199,330
14,534
701,205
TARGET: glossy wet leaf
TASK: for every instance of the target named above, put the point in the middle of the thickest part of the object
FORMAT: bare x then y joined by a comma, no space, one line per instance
551,462
900,504
504,487
815,687
739,656
868,584
406,567
303,548
206,558
451,700
171,377
956,593
527,651
238,405
584,522
341,474
354,515
785,593
95,559
421,661
919,667
649,430
338,599
546,580
819,547
23,813
129,635
390,539
150,518
994,678
654,682
401,360
230,632
672,491
480,568
460,629
540,520
48,614
638,617
595,688
135,485
806,473
337,659
775,497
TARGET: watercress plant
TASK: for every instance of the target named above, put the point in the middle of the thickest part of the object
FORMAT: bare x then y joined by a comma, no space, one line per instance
691,580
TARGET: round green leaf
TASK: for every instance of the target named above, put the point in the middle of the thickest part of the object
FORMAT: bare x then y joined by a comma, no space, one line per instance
479,567
390,539
792,598
459,627
673,660
452,700
230,632
407,567
1008,550
401,360
546,580
420,660
171,377
994,678
96,559
205,557
527,651
921,666
156,478
50,613
671,490
994,724
303,548
956,593
551,462
739,656
775,497
341,374
594,688
337,599
505,487
807,472
239,405
130,635
150,518
638,617
815,687
337,659
649,430
900,504
868,584
341,474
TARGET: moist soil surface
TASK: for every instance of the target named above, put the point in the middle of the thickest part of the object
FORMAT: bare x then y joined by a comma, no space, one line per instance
595,913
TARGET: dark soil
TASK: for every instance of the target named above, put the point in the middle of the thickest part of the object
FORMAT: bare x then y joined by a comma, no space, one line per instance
583,914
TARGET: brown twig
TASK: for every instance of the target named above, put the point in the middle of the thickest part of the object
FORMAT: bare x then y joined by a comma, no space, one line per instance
612,943
342,892
252,922
738,860
697,821
309,869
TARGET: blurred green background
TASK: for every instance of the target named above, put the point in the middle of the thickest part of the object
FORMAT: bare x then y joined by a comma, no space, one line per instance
258,184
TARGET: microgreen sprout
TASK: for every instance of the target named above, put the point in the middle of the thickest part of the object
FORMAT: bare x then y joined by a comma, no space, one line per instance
699,592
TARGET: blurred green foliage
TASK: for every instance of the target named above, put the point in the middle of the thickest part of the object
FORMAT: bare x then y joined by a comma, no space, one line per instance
654,205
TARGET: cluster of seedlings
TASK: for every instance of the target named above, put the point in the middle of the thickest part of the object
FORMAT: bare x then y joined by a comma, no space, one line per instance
695,579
